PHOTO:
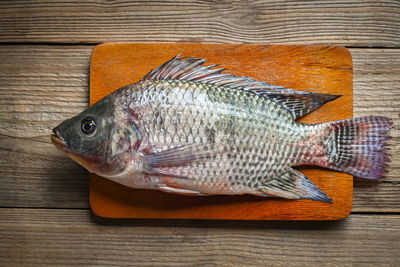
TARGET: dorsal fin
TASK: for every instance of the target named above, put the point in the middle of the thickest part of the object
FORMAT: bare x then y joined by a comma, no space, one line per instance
192,70
300,102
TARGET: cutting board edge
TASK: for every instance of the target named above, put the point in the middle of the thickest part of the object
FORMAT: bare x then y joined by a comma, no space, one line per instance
337,216
346,52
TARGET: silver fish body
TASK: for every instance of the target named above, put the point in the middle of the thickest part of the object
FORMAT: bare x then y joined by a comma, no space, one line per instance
189,129
244,139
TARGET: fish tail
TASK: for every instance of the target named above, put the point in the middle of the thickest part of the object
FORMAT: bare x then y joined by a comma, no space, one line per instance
357,146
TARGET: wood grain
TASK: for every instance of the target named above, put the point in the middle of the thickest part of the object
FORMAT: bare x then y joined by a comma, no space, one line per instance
42,85
351,23
75,237
377,91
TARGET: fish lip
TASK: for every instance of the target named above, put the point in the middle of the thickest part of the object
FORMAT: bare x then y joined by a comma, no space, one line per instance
58,140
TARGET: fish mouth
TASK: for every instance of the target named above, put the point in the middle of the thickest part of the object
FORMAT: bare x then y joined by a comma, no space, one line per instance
58,140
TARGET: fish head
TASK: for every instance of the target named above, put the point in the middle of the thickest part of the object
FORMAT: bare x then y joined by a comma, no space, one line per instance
85,136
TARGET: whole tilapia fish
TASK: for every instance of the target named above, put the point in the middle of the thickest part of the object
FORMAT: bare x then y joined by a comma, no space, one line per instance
190,129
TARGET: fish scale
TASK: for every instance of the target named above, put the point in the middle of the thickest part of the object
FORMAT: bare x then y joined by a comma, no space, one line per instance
187,112
190,129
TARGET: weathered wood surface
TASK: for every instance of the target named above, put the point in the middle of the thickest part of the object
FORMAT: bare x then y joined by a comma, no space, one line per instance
350,23
43,85
75,237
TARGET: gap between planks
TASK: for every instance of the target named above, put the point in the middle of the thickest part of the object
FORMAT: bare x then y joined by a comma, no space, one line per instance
92,44
357,23
366,213
68,237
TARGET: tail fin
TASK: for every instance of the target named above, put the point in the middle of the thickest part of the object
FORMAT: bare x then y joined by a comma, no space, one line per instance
356,146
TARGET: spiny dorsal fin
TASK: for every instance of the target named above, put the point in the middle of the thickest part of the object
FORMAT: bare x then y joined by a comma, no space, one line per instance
191,69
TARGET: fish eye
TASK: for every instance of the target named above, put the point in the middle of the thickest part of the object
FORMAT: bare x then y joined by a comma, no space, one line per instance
88,126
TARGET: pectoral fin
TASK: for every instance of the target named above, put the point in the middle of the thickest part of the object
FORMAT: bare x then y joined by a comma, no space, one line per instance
183,155
294,185
162,163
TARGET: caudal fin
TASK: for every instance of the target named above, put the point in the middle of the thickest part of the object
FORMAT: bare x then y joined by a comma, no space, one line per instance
356,146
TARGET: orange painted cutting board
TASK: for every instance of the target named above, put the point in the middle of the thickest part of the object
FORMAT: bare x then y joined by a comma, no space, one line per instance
320,69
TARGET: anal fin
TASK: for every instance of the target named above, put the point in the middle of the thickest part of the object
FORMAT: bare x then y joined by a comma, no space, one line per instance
294,185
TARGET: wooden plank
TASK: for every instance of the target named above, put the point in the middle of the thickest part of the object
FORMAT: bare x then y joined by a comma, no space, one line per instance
351,23
320,69
40,87
75,237
377,91
43,85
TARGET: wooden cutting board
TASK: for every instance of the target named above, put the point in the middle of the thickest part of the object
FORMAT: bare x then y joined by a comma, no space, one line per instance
322,69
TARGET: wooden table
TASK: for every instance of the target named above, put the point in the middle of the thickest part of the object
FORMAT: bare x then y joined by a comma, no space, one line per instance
44,63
